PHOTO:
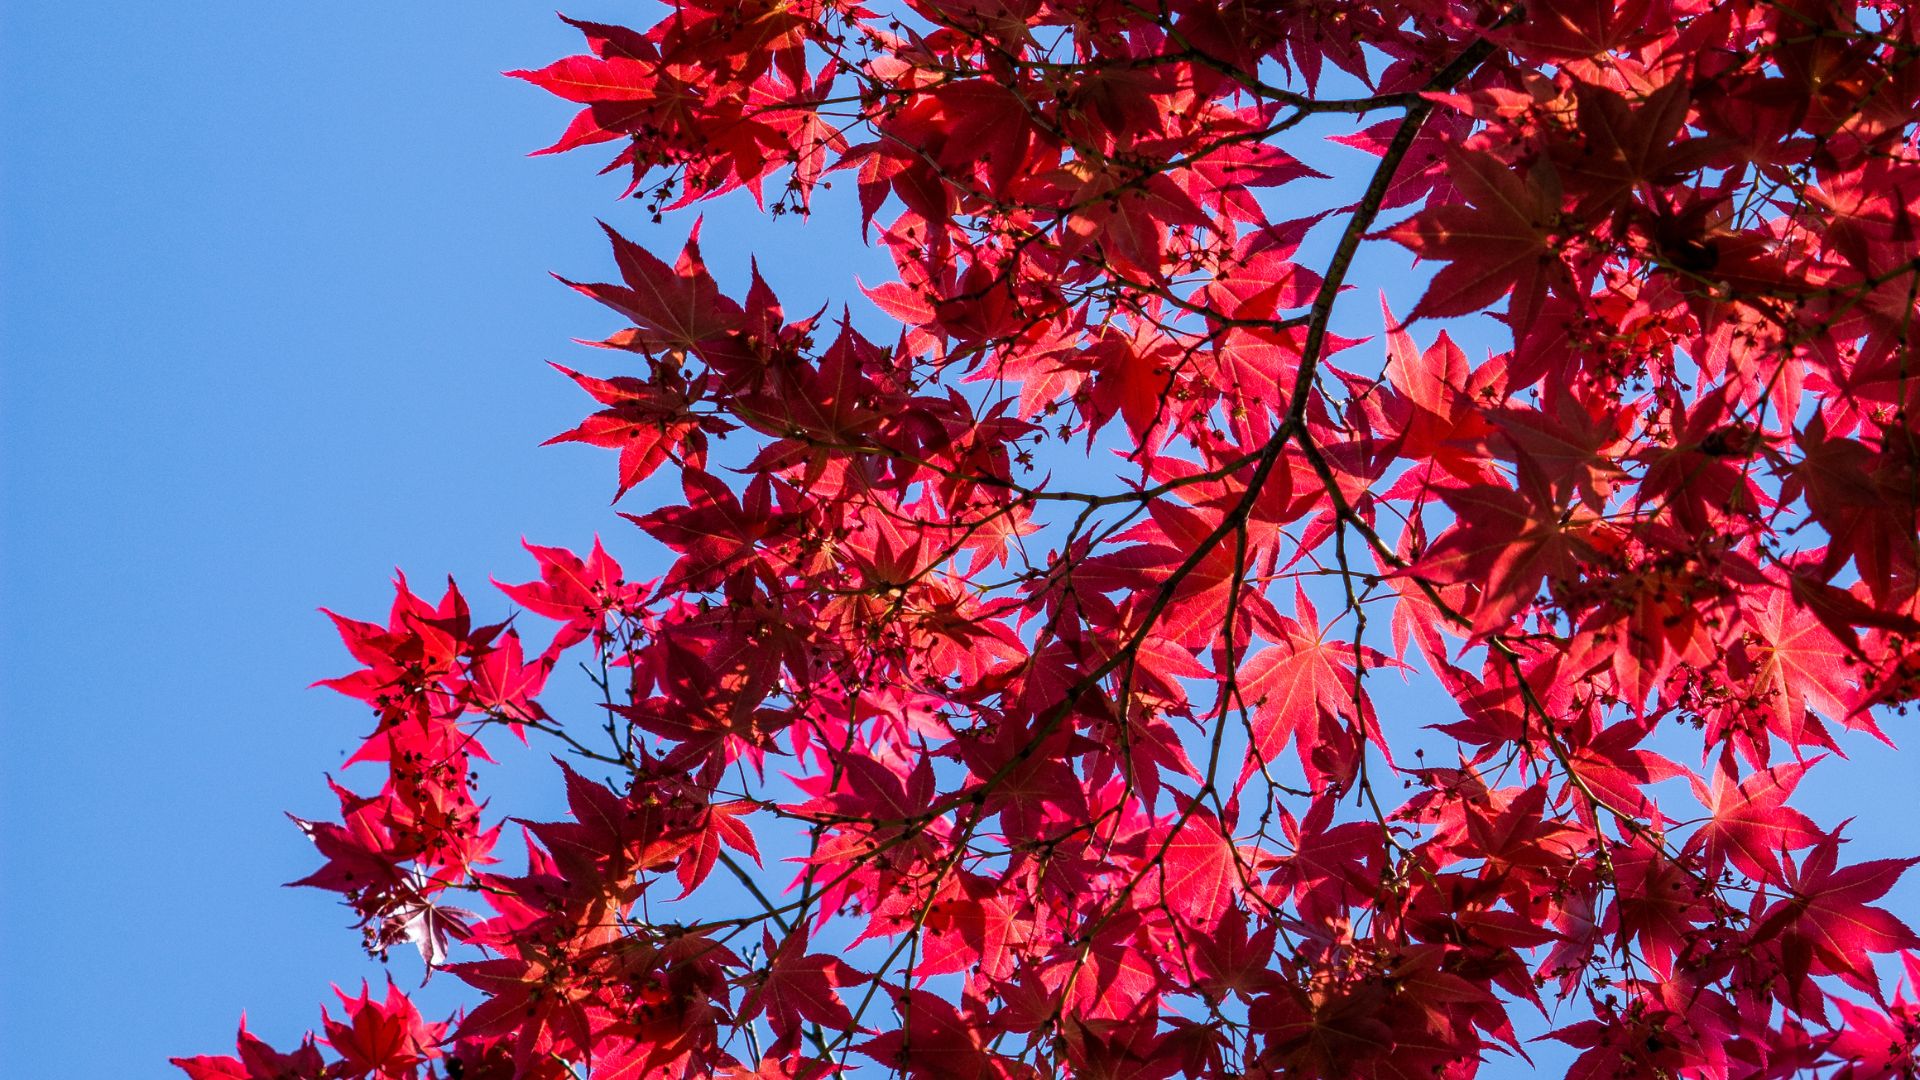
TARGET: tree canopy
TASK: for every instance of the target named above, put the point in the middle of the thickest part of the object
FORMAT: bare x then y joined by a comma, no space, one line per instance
1009,699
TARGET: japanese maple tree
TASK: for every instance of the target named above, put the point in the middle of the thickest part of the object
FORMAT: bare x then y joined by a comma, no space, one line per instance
1085,661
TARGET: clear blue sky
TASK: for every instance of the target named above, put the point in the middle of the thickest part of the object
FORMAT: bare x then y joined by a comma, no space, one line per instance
273,306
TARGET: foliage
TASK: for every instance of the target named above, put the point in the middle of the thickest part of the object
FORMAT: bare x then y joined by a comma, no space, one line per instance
1036,640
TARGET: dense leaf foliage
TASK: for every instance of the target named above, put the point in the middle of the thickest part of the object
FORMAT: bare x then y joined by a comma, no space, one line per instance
1032,687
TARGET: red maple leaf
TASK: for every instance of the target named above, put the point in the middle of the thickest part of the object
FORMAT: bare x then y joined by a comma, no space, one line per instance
1503,243
798,987
1751,823
1826,925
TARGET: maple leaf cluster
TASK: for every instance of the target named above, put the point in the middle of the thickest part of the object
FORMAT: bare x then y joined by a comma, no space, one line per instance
1036,632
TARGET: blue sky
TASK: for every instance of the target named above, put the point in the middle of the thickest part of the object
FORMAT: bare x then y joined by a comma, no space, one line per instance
273,306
